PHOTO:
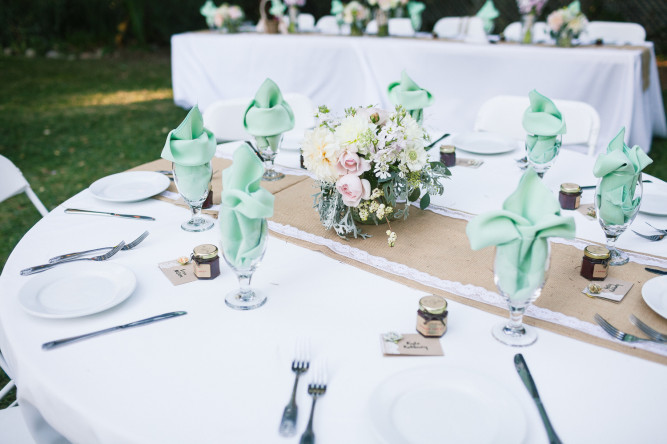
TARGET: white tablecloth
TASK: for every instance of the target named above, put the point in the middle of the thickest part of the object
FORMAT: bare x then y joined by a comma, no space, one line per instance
345,71
219,375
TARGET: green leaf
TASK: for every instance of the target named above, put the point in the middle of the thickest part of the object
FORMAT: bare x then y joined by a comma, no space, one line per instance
414,195
425,201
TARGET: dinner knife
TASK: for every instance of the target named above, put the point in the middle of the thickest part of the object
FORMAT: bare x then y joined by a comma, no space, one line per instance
104,213
655,270
524,373
59,342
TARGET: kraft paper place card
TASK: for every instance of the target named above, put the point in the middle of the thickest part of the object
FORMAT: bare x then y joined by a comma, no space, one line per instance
178,273
588,210
411,345
612,289
469,163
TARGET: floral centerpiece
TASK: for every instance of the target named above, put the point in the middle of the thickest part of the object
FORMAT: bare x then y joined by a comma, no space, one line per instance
567,23
272,17
366,164
383,9
356,15
530,10
228,17
293,11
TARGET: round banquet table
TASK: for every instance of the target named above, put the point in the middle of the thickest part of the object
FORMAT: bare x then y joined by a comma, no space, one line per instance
220,375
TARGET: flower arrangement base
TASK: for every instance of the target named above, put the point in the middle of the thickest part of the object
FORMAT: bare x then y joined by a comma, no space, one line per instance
271,27
356,30
564,41
383,30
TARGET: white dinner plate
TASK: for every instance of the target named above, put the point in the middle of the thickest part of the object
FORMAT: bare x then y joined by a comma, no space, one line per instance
77,289
654,293
445,404
129,187
483,143
654,202
292,140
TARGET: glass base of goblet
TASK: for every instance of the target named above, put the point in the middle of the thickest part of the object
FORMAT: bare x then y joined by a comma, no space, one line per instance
197,224
515,337
618,257
244,301
271,175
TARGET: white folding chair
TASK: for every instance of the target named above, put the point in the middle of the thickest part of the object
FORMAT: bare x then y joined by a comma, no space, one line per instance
541,33
371,27
13,429
401,27
306,22
329,25
12,183
615,32
470,29
504,114
448,27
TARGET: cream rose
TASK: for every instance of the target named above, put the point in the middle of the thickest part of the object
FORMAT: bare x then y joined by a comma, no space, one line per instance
353,189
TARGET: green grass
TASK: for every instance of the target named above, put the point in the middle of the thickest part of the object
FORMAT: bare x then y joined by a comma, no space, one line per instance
67,123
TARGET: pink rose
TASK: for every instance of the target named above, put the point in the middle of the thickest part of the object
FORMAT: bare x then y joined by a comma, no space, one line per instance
555,21
353,189
350,163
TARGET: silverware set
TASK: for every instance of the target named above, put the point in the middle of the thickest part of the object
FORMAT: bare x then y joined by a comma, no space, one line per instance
653,237
316,388
129,246
106,213
654,336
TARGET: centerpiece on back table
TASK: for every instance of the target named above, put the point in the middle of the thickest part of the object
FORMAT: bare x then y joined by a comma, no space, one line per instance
366,164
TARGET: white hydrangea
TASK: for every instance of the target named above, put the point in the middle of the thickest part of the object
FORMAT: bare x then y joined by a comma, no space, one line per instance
351,131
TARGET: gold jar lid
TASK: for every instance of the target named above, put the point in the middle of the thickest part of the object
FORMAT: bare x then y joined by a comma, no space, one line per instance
596,252
447,149
433,304
570,188
206,251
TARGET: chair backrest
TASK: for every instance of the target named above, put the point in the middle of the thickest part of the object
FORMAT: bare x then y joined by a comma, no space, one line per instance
448,27
306,22
541,33
470,29
225,117
615,32
371,27
401,27
12,183
504,114
328,25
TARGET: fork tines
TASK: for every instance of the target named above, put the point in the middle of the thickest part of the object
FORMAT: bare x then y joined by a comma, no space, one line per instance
651,237
648,330
606,326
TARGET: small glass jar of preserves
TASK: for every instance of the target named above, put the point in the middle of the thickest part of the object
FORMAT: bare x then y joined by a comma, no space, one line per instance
595,264
207,261
569,196
432,316
208,203
448,155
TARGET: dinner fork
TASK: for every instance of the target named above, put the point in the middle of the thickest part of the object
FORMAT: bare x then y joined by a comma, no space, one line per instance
316,388
618,334
300,365
129,246
656,228
102,257
648,330
651,237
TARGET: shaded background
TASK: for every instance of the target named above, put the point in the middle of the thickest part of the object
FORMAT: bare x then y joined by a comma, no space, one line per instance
68,25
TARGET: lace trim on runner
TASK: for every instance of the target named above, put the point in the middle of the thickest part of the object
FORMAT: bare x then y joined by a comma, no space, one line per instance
471,292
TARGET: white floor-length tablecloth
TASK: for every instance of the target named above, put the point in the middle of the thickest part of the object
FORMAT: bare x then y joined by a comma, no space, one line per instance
346,71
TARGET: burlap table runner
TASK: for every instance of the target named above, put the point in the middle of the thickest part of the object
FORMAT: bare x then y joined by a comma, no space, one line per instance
437,245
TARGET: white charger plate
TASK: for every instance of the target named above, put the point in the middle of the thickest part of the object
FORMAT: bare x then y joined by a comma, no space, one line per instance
654,202
131,186
654,293
77,289
483,143
445,404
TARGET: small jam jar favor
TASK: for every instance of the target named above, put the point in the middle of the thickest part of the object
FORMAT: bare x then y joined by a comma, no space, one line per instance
207,262
208,203
595,264
432,316
569,196
448,155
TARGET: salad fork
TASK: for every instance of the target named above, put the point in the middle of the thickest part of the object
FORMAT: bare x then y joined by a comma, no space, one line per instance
656,228
316,388
300,365
129,246
102,257
652,237
618,334
648,330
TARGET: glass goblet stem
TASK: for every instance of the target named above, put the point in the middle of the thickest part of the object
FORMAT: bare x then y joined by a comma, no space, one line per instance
245,292
515,326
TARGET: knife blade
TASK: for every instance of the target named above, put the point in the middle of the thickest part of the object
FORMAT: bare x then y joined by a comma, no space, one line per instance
104,213
57,343
656,271
524,373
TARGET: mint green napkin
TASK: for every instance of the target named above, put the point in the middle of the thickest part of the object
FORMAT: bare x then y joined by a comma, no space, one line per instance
410,96
244,208
415,10
574,8
191,147
544,123
208,10
268,115
277,8
336,7
520,231
619,170
488,13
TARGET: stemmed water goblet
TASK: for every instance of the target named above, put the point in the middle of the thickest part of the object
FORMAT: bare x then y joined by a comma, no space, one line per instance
269,151
520,288
193,185
245,298
539,166
627,211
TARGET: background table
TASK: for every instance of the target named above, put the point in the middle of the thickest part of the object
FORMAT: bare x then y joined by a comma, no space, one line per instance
346,71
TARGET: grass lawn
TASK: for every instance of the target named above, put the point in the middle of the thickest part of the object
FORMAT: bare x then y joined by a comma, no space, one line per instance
67,123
